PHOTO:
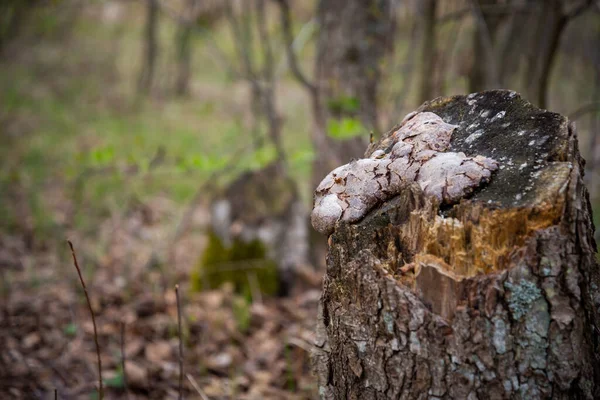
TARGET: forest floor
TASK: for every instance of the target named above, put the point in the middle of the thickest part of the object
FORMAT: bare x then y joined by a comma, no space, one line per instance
82,158
233,348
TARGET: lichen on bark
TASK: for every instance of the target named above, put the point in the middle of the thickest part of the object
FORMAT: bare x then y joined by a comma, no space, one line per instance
495,296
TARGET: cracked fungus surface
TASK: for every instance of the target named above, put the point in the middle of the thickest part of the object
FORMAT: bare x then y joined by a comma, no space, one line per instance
415,152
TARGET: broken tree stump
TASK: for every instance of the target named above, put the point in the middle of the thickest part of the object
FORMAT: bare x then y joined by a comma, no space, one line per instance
492,296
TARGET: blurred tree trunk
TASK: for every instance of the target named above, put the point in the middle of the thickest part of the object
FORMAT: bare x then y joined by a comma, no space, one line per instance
485,69
549,28
184,42
551,21
13,16
509,54
427,53
354,37
150,48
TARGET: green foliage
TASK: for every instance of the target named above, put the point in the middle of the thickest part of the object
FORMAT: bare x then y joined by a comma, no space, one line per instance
241,312
220,264
345,128
70,330
117,381
343,105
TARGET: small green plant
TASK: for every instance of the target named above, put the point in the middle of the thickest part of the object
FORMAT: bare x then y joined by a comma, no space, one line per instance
241,312
70,330
117,381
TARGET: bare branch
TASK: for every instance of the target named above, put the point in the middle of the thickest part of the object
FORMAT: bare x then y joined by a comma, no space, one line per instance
180,343
241,44
186,21
125,385
489,9
288,40
577,11
584,109
89,303
197,387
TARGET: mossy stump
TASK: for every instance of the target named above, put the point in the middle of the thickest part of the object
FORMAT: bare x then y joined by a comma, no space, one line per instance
495,297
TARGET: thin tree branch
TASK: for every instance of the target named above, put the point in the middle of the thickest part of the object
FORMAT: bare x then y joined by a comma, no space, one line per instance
89,303
186,21
197,387
288,41
498,9
180,343
123,357
238,38
579,9
584,109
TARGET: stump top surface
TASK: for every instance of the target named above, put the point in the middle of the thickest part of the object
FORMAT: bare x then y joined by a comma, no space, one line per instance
529,143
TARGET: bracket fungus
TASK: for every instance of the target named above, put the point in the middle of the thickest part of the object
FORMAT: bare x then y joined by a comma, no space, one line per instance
415,152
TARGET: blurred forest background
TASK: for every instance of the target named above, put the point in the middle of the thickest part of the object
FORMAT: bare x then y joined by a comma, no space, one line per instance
179,141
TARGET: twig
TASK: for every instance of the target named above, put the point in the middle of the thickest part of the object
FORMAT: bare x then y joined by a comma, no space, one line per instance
55,394
180,343
490,9
586,108
288,38
300,344
197,387
126,386
89,303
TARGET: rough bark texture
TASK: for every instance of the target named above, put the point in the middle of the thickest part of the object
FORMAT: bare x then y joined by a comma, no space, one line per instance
494,297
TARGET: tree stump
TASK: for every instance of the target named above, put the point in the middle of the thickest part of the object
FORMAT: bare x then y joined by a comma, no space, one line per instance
495,296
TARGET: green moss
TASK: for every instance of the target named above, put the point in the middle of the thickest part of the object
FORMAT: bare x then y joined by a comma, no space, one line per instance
237,264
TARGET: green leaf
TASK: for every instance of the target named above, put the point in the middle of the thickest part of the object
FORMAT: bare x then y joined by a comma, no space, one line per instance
117,381
102,156
343,105
345,128
70,330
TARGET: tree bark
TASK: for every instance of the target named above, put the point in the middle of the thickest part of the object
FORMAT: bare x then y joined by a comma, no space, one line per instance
495,297
150,48
184,56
